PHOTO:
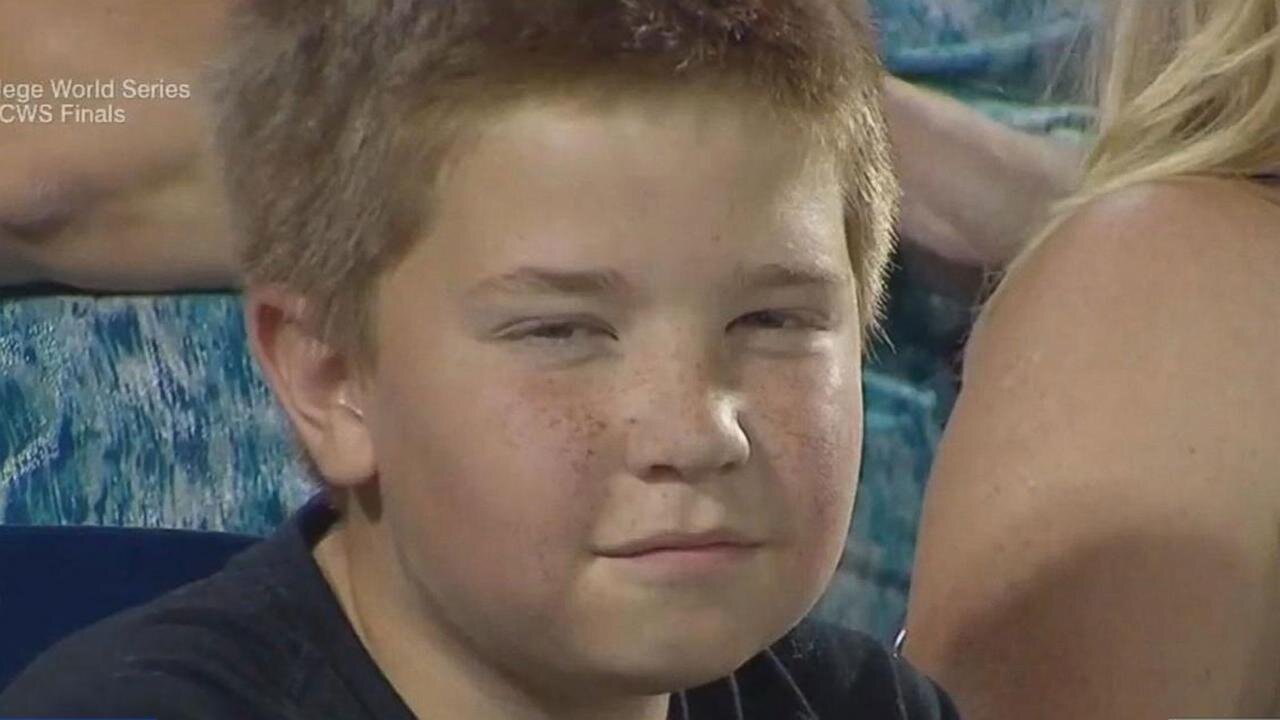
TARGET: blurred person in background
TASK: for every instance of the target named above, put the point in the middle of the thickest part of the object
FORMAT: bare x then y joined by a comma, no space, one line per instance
1101,533
973,188
120,206
134,206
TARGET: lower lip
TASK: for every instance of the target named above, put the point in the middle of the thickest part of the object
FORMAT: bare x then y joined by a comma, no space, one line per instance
686,563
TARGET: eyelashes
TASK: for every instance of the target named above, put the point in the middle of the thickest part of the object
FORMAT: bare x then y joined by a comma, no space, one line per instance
782,320
557,332
573,330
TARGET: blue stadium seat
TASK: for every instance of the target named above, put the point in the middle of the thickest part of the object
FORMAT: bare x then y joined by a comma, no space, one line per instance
56,580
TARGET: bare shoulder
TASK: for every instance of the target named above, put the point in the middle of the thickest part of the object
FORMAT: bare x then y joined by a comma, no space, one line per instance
1164,300
1141,253
1103,504
1170,288
1154,317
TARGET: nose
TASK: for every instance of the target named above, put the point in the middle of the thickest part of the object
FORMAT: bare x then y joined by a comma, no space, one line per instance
682,421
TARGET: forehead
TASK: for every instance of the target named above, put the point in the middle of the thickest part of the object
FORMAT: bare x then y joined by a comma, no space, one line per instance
678,185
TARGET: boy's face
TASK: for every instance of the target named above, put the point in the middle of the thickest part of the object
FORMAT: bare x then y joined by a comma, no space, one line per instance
624,330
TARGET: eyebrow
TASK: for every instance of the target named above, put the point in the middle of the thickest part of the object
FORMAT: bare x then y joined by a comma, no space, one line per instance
778,275
531,280
537,280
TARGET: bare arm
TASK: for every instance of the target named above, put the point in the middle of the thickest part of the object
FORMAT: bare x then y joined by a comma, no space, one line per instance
15,268
134,205
973,189
1100,536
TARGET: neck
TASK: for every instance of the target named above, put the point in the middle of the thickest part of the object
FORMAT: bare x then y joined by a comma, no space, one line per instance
435,672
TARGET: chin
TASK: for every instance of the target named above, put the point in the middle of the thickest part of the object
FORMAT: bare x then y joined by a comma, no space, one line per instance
655,676
683,653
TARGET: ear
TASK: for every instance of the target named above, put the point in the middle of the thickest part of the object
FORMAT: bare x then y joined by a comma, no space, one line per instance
317,386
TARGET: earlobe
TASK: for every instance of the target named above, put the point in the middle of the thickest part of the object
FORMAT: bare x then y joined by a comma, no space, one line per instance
351,408
314,383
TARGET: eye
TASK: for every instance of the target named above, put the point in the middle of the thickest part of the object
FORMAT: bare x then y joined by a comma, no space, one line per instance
555,332
778,320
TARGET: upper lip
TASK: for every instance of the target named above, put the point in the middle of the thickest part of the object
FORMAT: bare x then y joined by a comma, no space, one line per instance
678,540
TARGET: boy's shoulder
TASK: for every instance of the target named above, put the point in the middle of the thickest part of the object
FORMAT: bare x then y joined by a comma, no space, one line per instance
836,669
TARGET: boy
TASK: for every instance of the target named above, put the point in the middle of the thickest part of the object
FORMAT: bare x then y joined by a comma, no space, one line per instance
565,302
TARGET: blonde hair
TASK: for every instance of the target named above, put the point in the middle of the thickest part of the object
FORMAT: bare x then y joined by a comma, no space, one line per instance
336,116
1184,87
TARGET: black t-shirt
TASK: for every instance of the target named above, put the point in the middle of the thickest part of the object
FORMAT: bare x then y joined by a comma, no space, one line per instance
265,638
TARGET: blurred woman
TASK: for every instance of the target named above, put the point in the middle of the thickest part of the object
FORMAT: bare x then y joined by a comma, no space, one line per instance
135,205
1101,536
132,205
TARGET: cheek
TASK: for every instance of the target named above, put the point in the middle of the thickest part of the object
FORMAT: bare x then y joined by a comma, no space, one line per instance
810,431
526,457
544,440
493,470
556,428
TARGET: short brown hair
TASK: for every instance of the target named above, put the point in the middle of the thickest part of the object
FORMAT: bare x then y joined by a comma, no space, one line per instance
335,116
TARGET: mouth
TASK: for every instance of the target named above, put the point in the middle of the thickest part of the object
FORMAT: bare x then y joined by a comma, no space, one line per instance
686,566
682,558
715,541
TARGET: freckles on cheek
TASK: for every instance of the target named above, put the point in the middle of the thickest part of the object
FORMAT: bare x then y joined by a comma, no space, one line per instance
825,490
556,435
817,431
825,469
